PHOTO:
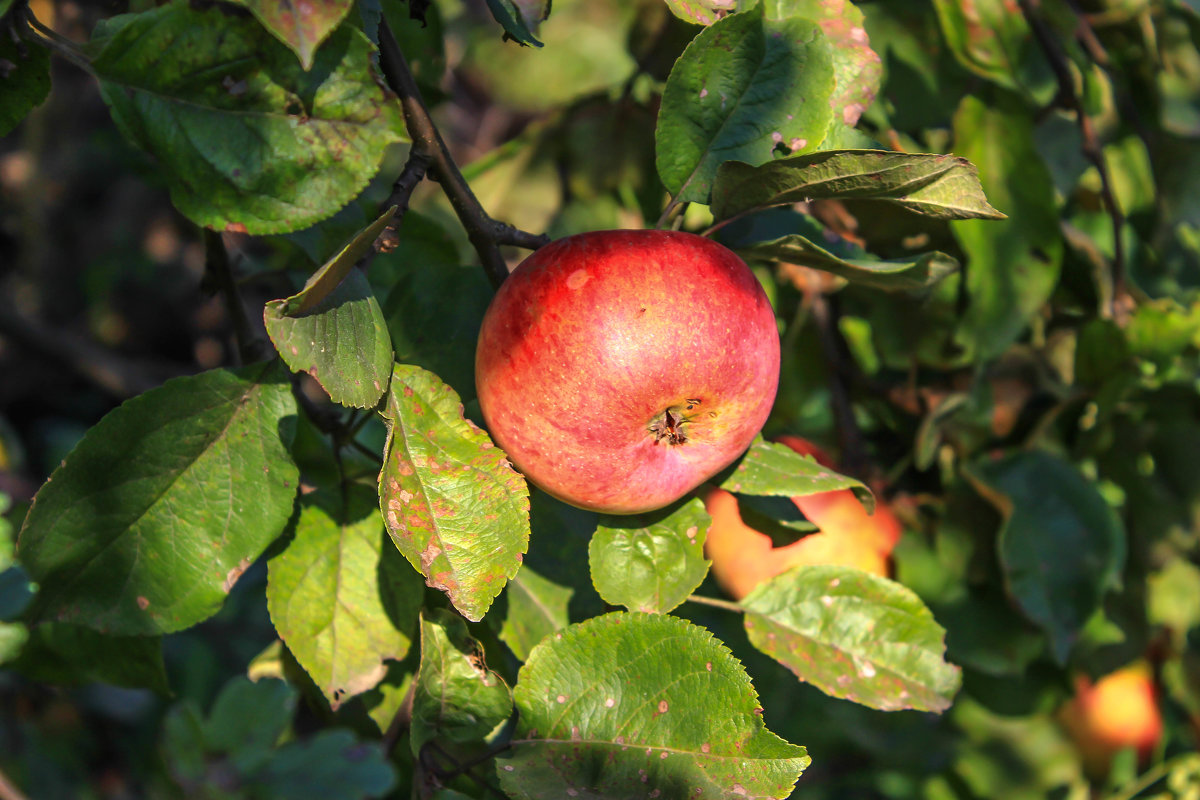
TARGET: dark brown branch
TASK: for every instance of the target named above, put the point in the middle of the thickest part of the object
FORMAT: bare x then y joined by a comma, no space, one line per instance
486,234
833,347
1091,148
218,272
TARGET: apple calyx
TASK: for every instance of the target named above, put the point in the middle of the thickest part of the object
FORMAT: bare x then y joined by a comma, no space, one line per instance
671,424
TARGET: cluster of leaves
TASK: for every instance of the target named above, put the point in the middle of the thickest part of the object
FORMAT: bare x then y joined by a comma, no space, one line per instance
1039,405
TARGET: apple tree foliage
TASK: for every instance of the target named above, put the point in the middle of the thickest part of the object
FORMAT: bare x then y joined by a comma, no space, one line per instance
978,224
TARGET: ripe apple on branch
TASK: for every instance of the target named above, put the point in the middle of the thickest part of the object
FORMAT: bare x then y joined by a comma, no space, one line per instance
621,369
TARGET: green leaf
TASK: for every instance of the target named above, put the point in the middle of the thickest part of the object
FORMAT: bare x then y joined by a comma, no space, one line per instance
452,503
537,607
650,562
237,745
164,503
989,37
24,80
857,68
899,275
855,636
508,14
245,138
456,698
779,471
331,764
334,328
636,705
705,12
1012,265
301,26
70,655
939,186
743,86
341,602
1061,547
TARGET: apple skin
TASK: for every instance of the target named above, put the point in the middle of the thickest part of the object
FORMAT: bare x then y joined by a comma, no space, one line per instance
1119,710
743,557
593,338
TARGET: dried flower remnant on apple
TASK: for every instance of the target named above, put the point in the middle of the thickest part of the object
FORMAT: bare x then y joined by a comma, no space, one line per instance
621,369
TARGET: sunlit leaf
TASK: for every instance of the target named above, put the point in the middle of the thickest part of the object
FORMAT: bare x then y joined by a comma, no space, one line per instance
452,503
334,329
164,503
341,602
744,86
777,470
650,562
853,635
627,704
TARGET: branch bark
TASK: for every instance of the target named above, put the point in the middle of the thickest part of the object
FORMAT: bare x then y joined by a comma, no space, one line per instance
1119,298
486,234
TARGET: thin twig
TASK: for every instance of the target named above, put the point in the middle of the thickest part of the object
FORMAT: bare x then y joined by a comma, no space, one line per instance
715,603
1091,148
833,347
217,269
486,234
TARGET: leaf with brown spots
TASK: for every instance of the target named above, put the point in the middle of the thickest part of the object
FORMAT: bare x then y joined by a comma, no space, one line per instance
853,635
452,503
642,705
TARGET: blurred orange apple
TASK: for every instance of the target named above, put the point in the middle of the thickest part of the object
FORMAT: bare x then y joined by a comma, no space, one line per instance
1118,711
743,557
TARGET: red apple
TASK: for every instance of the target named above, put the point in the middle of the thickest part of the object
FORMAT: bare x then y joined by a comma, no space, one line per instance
1120,710
620,369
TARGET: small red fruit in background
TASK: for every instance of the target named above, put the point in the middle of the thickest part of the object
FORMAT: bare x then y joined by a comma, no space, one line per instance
1118,711
621,369
743,557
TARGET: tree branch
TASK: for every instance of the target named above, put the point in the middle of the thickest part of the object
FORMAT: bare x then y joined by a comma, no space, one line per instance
218,271
486,234
1118,299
